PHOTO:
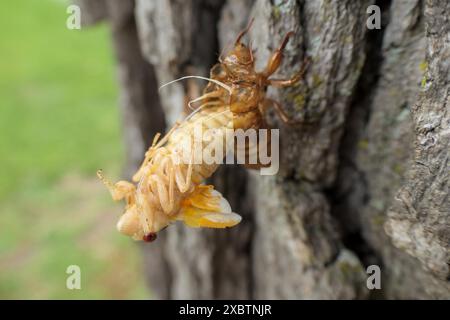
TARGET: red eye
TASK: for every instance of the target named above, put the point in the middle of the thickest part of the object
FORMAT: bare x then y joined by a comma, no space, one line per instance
149,237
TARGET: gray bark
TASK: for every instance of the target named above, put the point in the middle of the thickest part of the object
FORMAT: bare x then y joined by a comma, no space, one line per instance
367,183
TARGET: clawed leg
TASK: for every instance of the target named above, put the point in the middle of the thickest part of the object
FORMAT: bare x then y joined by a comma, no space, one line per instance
201,107
277,56
166,197
184,183
155,145
289,82
281,113
210,95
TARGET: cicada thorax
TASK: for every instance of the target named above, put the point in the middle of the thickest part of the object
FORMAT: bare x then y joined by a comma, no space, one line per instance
246,103
252,138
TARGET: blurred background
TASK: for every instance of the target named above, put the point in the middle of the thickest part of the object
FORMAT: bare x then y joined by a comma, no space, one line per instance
59,123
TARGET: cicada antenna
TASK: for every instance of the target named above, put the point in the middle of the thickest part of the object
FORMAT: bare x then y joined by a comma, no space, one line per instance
104,179
223,85
219,83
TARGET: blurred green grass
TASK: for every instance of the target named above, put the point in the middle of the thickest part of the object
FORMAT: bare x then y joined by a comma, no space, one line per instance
58,123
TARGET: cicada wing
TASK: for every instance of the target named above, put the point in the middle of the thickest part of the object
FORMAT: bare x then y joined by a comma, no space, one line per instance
218,220
207,208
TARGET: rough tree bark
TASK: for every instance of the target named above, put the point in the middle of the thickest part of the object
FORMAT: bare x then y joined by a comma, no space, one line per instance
367,184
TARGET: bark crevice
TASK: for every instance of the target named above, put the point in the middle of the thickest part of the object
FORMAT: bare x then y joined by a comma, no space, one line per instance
350,191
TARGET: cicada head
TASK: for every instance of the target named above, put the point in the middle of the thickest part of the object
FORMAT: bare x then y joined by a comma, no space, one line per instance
239,62
136,223
129,223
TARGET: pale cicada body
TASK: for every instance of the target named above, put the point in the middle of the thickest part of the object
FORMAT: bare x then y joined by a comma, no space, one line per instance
169,181
168,186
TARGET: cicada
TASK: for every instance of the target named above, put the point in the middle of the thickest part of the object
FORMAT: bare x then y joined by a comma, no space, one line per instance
166,189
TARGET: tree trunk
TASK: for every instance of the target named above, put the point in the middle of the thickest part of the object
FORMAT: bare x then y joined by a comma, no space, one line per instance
367,184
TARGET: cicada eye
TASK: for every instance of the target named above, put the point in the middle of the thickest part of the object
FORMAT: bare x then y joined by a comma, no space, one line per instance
150,237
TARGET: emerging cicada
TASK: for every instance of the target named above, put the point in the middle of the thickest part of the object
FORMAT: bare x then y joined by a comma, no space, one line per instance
167,188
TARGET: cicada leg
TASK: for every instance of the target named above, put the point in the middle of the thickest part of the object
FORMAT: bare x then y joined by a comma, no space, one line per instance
184,183
279,110
171,185
167,136
155,145
283,115
146,216
275,61
158,186
209,95
212,94
280,83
